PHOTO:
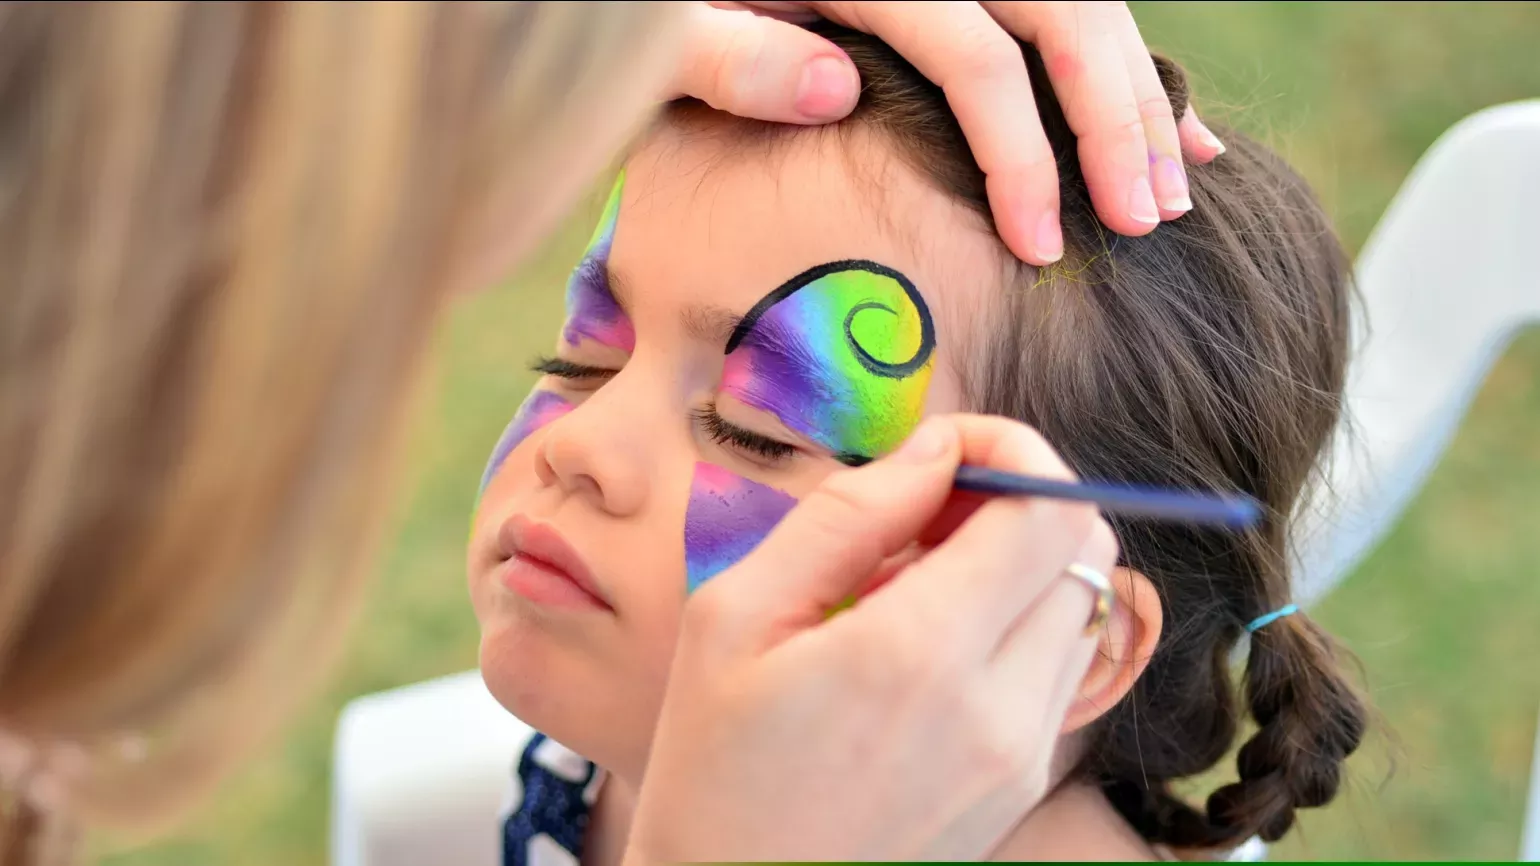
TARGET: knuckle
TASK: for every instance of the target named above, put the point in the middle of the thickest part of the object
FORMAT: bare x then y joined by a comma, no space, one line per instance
1077,520
1036,165
1059,11
1124,132
1034,455
984,52
1030,438
1099,12
1102,547
1073,522
725,68
1070,19
1156,108
1117,140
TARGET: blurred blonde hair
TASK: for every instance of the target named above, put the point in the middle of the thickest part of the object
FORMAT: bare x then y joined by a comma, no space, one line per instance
226,231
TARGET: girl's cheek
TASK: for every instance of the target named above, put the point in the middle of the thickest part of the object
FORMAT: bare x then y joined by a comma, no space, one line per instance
538,409
727,516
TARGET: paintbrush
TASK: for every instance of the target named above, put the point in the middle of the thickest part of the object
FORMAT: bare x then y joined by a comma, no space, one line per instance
1226,510
1231,511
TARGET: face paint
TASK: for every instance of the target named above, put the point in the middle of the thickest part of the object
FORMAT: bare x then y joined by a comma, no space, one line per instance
592,311
840,353
539,409
727,517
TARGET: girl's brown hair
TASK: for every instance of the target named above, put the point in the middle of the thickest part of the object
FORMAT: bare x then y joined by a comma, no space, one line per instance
227,229
1208,354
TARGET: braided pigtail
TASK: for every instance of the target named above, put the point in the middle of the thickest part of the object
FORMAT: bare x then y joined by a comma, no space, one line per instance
1310,719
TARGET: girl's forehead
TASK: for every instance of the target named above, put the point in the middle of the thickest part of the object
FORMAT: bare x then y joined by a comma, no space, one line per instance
703,220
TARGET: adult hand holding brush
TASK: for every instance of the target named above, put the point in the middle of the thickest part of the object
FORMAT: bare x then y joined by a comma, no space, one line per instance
919,724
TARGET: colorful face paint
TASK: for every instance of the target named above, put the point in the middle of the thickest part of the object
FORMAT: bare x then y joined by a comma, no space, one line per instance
592,311
728,516
841,354
539,409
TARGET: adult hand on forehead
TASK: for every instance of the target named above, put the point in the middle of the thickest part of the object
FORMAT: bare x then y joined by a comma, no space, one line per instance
919,724
764,66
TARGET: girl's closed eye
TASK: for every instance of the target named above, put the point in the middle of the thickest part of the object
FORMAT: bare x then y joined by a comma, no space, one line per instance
754,446
764,449
580,376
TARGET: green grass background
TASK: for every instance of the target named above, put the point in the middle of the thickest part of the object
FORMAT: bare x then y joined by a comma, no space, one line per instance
1443,614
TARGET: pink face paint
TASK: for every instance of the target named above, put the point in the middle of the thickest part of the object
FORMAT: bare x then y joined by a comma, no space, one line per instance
539,409
592,311
727,517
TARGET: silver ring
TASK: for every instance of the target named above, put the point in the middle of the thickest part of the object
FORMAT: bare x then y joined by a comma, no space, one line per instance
1098,584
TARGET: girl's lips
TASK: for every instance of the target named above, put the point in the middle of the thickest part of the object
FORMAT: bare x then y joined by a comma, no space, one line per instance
540,565
542,584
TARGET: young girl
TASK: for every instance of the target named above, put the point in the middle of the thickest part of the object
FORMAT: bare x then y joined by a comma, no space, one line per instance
761,306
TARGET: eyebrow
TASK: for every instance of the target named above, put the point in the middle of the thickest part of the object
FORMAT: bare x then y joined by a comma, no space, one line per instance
619,288
708,323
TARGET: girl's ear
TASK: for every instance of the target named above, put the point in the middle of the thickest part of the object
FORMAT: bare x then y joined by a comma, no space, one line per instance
1127,642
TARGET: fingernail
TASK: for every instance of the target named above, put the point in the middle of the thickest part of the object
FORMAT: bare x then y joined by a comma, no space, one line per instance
828,89
1209,138
1141,202
928,442
1171,184
1050,239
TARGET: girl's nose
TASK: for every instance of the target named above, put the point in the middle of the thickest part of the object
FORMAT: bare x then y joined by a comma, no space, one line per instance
601,451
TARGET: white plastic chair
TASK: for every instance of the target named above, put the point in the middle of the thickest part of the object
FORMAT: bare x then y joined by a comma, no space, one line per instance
1448,278
421,773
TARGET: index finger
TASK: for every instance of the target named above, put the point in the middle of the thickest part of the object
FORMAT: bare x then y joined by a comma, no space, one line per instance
977,582
981,69
1082,49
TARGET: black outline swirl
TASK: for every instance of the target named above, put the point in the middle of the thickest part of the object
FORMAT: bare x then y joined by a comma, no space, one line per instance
872,364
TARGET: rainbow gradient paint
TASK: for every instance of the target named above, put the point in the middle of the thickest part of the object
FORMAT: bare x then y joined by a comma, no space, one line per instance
841,354
727,517
538,409
592,312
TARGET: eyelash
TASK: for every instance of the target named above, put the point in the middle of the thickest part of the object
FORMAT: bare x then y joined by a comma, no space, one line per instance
724,433
563,369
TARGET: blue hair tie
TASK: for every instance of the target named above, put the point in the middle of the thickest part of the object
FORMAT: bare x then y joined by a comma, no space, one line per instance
1268,619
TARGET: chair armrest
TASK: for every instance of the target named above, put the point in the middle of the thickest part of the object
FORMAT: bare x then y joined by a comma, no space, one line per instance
422,775
1425,340
1529,850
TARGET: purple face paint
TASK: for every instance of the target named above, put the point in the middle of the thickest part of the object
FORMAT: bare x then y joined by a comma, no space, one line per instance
841,354
727,517
539,409
592,312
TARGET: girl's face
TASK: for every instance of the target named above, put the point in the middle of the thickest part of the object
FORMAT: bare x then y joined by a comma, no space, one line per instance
739,328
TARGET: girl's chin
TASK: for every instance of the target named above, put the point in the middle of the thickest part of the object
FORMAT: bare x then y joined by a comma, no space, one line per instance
539,677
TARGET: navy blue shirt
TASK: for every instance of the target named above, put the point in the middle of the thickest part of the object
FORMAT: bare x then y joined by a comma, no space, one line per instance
554,792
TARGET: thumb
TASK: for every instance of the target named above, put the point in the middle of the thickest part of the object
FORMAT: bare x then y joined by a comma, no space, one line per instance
830,545
759,67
